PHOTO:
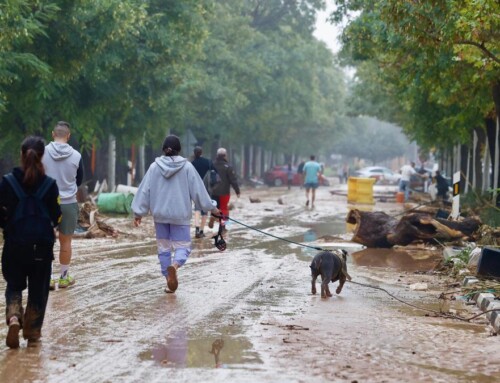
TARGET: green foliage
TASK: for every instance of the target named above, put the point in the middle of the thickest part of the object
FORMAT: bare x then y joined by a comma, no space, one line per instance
250,70
428,66
475,204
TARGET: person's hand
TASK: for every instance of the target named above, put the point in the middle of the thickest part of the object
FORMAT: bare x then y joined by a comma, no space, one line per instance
216,212
137,221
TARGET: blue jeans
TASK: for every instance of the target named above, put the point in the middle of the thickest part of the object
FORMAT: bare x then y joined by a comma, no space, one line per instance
172,238
405,186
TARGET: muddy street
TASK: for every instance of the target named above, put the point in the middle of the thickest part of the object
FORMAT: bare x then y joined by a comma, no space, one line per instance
247,314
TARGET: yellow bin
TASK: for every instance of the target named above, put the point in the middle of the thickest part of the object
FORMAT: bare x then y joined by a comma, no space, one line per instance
360,190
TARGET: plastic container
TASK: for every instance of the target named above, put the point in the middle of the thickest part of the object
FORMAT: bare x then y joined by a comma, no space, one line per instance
115,203
360,190
400,197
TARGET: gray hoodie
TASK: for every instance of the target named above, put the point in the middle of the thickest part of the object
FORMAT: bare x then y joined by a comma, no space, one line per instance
61,162
167,189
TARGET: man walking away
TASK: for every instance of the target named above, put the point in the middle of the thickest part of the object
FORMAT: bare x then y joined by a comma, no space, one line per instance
312,171
404,183
202,166
64,164
221,192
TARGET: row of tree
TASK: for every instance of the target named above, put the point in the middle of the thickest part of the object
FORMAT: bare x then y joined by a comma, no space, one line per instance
235,73
432,67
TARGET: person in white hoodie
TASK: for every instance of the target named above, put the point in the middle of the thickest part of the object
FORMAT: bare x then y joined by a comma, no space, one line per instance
64,164
167,191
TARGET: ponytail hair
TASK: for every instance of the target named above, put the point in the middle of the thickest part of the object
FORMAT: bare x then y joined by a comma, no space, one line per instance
32,150
171,145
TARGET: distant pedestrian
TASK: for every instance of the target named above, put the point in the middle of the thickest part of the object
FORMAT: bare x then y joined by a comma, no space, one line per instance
404,183
289,175
64,164
202,166
345,173
221,192
441,186
300,171
29,211
423,173
168,189
312,173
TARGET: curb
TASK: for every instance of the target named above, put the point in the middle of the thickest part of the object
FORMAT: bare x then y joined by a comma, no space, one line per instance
486,301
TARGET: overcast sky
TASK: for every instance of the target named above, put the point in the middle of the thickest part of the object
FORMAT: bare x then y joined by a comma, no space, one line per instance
327,32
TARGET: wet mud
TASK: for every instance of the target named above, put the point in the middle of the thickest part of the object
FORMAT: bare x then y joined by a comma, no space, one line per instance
246,314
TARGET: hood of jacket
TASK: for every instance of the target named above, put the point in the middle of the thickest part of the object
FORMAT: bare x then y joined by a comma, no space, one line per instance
170,165
59,151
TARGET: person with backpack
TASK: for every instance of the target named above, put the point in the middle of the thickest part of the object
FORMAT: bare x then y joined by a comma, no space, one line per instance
202,166
64,164
167,190
29,212
221,190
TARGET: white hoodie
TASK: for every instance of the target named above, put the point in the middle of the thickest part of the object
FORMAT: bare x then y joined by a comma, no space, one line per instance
61,162
167,189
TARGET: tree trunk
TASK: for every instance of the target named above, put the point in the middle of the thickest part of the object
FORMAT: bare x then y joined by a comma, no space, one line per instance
263,165
479,147
377,229
246,161
495,157
111,162
463,166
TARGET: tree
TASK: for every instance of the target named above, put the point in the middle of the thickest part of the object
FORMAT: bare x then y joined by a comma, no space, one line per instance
436,60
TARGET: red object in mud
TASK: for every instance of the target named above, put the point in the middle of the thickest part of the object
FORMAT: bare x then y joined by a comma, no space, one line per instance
278,176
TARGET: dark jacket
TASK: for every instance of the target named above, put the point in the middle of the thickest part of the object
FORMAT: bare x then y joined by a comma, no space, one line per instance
9,201
202,165
442,185
228,178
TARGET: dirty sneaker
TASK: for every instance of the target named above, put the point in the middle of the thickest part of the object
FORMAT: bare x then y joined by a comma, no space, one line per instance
12,340
52,285
172,282
66,281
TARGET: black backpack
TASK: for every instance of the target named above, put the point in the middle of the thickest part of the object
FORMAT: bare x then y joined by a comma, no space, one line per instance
31,223
211,179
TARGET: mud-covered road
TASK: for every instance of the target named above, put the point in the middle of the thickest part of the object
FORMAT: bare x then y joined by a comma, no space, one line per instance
247,315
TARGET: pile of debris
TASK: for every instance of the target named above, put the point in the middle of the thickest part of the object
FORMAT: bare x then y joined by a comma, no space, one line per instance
93,223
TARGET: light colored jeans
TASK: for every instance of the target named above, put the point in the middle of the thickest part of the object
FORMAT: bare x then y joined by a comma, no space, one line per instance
176,238
405,186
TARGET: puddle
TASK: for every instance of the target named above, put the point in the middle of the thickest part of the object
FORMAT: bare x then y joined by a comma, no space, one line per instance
222,348
398,259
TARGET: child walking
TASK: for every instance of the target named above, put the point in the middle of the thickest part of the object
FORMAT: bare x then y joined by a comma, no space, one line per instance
168,187
29,211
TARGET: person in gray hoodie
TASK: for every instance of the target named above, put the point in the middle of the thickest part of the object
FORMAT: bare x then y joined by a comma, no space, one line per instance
64,164
167,191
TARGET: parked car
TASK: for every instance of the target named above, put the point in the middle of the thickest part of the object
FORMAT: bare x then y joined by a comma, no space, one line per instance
278,176
381,174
